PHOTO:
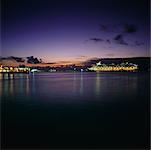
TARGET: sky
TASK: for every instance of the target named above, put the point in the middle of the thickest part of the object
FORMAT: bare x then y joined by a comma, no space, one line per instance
75,30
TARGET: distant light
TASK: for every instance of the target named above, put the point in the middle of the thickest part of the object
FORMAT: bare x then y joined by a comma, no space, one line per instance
99,63
34,70
81,70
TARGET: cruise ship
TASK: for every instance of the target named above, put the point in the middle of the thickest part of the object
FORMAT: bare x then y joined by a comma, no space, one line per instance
114,67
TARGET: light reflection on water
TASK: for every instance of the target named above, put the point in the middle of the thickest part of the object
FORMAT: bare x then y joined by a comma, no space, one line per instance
93,106
27,85
69,85
97,83
81,83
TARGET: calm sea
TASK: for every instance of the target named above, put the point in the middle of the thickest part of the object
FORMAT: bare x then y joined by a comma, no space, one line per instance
75,110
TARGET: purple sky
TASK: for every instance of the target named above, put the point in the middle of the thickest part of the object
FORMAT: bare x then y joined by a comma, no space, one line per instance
68,30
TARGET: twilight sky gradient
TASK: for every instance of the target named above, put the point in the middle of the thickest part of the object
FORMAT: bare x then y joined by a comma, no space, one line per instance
67,30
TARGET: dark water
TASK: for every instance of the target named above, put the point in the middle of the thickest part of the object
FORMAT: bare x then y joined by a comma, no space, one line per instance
75,110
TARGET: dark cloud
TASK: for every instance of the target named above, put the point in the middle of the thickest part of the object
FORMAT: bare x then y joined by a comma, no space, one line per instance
108,28
33,60
138,43
119,28
91,61
108,41
122,30
96,39
18,59
119,39
129,28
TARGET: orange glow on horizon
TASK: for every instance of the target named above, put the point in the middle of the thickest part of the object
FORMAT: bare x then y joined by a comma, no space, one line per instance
13,63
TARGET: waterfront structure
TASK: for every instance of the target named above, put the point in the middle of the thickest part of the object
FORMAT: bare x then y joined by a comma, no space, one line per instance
52,70
114,67
6,69
34,70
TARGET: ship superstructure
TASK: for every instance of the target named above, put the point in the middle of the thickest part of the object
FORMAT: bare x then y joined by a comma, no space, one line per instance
114,67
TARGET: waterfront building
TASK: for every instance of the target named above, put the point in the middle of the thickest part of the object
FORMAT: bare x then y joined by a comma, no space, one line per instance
6,69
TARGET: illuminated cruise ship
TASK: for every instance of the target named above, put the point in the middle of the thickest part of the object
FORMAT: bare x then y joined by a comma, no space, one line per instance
114,67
